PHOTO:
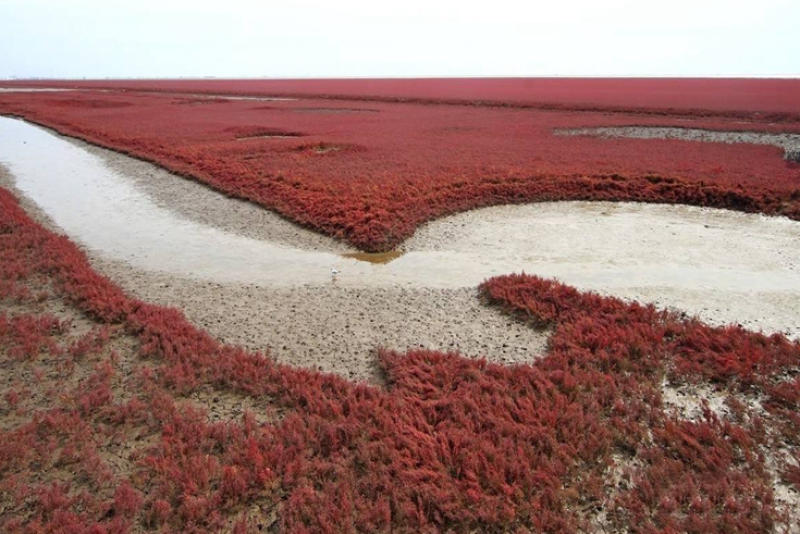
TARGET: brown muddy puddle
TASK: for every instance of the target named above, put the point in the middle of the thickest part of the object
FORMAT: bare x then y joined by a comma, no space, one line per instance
377,258
612,247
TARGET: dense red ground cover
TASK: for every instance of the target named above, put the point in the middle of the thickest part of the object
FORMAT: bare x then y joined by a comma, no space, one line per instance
99,434
775,96
371,172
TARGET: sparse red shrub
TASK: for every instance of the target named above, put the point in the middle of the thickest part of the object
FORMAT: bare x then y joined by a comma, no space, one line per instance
158,513
27,336
127,501
12,398
791,474
91,342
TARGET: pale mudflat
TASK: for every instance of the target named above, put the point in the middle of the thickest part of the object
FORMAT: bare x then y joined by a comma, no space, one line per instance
249,277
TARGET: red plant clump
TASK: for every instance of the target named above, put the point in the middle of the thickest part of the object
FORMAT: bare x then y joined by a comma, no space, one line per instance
386,172
581,438
26,336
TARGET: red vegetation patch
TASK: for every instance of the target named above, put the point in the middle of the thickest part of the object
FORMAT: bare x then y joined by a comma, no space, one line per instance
27,336
386,173
452,444
761,99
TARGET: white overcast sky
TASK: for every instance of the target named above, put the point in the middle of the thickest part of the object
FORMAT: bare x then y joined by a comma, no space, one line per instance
349,38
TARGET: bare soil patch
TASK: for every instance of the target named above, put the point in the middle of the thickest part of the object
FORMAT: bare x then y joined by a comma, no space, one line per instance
790,143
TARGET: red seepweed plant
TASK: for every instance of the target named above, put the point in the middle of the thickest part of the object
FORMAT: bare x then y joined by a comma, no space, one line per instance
579,439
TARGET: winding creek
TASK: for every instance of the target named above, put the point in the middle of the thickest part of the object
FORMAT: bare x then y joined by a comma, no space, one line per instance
725,266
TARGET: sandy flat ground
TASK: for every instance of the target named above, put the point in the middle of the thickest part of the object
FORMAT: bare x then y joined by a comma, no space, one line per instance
715,264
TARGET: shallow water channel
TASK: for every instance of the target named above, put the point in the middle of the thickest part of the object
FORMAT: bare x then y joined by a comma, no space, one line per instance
593,245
